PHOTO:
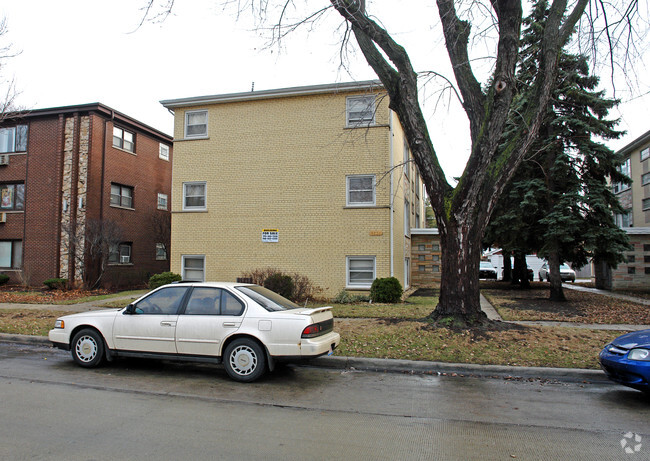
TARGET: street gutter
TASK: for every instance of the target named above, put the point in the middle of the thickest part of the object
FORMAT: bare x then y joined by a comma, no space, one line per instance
410,366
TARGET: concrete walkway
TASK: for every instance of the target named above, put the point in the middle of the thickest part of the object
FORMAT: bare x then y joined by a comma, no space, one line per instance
611,294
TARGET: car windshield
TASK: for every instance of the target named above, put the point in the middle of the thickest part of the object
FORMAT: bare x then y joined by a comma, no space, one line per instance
564,267
267,299
486,265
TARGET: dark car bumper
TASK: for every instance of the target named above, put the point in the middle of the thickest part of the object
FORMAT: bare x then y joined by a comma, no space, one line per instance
487,275
632,373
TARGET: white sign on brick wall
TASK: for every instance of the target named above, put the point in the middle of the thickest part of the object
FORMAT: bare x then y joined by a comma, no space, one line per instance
270,235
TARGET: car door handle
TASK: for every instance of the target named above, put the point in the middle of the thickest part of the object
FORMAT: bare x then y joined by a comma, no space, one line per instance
166,323
229,324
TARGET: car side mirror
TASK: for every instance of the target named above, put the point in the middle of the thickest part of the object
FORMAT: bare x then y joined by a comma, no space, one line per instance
130,310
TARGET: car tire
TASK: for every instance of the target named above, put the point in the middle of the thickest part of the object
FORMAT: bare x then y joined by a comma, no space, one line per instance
244,360
87,348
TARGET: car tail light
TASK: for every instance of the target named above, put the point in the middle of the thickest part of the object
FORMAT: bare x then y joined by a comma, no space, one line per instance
318,329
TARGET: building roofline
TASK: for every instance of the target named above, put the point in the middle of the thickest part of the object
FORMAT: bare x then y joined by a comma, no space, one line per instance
98,107
275,93
638,142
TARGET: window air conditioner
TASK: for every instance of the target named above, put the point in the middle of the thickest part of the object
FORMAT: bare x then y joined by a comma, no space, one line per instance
4,159
124,259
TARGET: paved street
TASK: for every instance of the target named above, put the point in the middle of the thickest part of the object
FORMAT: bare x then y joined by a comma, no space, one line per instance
52,409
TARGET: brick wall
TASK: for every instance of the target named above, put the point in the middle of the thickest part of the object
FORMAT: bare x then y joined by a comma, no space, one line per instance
426,258
634,274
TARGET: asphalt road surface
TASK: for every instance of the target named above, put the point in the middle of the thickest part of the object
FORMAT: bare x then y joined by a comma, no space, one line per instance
52,409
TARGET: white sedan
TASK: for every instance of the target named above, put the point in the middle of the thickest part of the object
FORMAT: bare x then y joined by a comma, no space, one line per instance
247,327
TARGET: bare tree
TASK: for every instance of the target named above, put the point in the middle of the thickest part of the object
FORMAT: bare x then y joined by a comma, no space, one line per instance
90,249
462,210
8,90
160,228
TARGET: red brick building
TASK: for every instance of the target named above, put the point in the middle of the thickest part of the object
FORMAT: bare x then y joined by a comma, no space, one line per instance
76,178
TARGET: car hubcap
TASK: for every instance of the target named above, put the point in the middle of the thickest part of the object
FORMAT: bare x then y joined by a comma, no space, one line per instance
86,348
243,360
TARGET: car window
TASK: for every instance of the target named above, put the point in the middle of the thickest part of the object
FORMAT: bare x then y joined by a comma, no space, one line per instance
204,301
231,305
267,299
164,301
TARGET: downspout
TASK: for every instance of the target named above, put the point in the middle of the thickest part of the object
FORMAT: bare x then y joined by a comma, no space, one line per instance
391,135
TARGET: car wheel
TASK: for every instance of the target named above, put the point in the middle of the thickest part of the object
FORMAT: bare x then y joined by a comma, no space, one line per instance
87,348
244,360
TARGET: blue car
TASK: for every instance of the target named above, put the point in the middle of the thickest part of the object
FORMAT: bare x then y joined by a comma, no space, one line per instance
626,360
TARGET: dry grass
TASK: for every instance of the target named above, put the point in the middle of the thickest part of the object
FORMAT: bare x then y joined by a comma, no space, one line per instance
28,321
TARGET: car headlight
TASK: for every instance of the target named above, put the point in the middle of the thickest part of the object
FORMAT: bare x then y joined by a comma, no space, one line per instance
639,354
59,324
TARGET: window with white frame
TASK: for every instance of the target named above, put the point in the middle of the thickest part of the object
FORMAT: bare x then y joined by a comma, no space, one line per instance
407,218
163,151
360,271
11,254
407,272
162,201
196,124
13,139
194,195
120,254
360,111
624,168
123,139
406,158
193,267
645,179
646,203
360,190
624,219
645,153
161,252
121,196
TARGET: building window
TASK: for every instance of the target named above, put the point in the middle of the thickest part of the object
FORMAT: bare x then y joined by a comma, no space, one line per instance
162,201
407,272
646,203
360,271
624,169
645,153
123,139
11,254
624,220
194,196
647,271
407,218
645,179
422,268
631,258
120,254
196,124
121,196
435,268
406,158
12,197
193,268
360,190
646,247
422,258
360,111
161,252
13,139
631,270
422,247
163,151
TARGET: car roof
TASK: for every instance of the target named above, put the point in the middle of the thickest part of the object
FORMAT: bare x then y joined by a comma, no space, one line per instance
214,284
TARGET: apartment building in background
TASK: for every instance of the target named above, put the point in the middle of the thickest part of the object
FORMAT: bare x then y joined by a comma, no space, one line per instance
77,175
316,180
634,273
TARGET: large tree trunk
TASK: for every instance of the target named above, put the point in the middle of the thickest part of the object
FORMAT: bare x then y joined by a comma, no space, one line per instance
459,285
521,271
557,292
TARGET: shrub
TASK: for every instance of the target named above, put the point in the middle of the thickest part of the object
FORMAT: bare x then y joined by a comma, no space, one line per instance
303,288
56,283
159,280
281,284
386,290
345,297
4,278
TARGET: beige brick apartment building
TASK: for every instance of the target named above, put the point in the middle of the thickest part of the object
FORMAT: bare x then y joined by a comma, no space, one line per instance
314,180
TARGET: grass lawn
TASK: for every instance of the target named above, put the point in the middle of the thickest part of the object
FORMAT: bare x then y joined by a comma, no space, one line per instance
401,331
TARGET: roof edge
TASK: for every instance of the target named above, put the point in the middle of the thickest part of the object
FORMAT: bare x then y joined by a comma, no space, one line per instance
275,93
632,146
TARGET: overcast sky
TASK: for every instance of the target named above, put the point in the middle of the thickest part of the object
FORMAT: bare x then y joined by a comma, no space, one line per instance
84,51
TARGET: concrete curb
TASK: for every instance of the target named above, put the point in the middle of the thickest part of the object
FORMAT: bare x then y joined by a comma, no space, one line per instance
408,366
459,369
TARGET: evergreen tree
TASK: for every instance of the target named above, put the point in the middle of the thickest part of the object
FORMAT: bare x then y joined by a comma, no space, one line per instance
559,203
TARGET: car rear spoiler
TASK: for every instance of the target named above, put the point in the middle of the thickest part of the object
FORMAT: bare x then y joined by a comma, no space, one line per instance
315,310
